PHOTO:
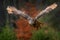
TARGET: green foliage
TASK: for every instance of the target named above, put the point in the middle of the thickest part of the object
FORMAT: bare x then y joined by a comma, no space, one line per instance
7,34
45,34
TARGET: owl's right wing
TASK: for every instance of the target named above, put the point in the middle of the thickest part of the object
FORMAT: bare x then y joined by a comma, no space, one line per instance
47,10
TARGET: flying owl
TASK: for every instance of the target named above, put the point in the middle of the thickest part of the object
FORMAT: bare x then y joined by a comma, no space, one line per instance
31,21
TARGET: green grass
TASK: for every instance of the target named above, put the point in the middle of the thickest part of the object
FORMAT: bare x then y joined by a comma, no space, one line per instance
7,34
45,34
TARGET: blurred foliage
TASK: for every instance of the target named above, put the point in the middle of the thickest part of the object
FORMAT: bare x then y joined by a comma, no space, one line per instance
45,34
7,33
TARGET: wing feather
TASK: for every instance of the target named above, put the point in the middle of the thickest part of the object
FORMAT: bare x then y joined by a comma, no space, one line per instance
47,10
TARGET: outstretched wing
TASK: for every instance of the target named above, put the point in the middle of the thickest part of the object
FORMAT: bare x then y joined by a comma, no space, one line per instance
13,10
47,10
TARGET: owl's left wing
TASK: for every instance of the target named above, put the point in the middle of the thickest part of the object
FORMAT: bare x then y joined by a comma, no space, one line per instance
47,10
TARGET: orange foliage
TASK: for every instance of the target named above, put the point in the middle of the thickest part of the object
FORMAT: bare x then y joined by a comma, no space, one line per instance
23,28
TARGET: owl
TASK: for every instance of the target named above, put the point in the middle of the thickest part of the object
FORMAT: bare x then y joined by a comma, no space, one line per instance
31,21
